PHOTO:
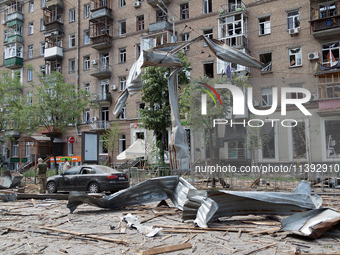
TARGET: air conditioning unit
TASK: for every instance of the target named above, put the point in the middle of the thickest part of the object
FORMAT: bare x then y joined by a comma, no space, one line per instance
256,103
136,4
314,97
93,62
314,55
293,31
113,87
94,119
3,22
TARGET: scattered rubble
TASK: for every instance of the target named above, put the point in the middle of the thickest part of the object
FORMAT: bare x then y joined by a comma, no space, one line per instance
10,179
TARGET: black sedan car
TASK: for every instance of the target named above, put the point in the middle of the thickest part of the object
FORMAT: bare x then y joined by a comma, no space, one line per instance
91,178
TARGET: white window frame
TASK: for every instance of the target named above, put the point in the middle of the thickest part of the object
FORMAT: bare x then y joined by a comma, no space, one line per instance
72,38
42,48
122,3
121,33
295,18
297,57
122,114
290,141
206,6
87,86
86,35
30,51
138,130
29,99
122,55
72,65
122,138
28,149
276,147
72,15
31,6
87,63
265,92
15,148
30,28
42,26
185,37
122,83
69,148
87,10
87,116
29,75
266,26
43,3
207,35
323,139
138,108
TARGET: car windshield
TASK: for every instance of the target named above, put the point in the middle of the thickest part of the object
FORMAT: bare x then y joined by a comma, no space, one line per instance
72,171
106,169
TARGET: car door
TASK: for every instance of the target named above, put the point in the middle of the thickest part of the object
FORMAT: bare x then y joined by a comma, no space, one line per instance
68,179
83,178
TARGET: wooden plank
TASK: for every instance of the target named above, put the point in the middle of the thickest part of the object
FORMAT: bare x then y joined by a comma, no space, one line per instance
182,231
189,238
260,249
204,229
86,235
270,230
176,247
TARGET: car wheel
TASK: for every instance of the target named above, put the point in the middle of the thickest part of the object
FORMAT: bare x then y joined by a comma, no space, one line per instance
51,187
93,188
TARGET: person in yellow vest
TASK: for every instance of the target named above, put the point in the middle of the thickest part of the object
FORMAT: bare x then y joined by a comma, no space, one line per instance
41,175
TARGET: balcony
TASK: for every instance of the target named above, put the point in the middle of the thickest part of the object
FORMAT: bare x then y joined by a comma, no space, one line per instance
329,107
14,39
53,53
326,28
101,70
101,42
14,16
53,3
103,97
235,41
13,63
232,7
101,13
159,26
54,26
154,3
100,125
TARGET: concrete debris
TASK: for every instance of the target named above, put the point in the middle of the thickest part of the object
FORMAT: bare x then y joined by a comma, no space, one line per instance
133,222
10,179
8,197
312,223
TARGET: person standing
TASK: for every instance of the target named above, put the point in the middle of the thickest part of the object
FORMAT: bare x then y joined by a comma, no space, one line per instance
66,165
42,169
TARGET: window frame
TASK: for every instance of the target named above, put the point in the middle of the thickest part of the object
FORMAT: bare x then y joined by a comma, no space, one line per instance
207,6
265,30
269,96
121,3
292,16
140,23
122,83
31,28
70,61
122,115
121,28
208,35
31,6
87,62
88,36
297,57
30,51
72,15
122,55
71,38
184,11
87,10
29,75
42,48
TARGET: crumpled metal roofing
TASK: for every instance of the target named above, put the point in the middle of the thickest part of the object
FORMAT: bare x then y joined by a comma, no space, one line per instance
312,223
149,191
10,179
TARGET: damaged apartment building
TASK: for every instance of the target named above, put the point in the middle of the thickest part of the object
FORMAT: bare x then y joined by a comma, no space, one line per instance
94,43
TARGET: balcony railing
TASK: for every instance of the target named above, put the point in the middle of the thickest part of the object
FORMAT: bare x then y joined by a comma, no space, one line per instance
53,53
14,16
103,96
101,42
101,70
159,26
14,39
236,41
53,25
13,62
101,13
101,124
50,3
325,23
154,3
228,8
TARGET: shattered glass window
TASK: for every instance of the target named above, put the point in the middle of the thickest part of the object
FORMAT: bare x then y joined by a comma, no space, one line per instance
293,19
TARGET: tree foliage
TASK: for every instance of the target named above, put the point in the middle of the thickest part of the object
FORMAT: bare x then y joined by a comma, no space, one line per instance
111,137
155,93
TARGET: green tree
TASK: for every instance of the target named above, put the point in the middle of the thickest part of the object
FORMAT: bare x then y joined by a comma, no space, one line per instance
52,105
111,137
155,93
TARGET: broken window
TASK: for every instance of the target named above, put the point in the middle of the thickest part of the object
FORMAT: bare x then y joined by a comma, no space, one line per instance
266,58
266,97
295,58
207,34
122,143
209,70
330,53
332,137
328,9
295,95
160,16
293,19
207,6
264,26
299,140
184,11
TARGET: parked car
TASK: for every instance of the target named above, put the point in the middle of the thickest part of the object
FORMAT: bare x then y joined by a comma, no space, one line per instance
91,178
334,183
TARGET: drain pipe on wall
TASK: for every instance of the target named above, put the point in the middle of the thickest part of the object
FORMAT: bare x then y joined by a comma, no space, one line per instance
78,58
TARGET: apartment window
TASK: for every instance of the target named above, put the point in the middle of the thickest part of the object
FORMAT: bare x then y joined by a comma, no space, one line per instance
122,28
160,16
5,35
295,58
328,9
184,11
43,70
15,148
31,6
42,26
122,143
87,86
86,37
207,34
105,116
299,140
72,41
266,97
122,83
72,65
29,98
293,19
295,95
122,3
137,50
87,63
122,55
43,3
269,147
69,147
29,74
122,115
266,58
42,48
330,53
209,70
87,9
207,6
185,37
140,23
72,15
87,116
30,51
264,26
28,149
140,106
30,28
332,138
